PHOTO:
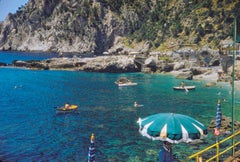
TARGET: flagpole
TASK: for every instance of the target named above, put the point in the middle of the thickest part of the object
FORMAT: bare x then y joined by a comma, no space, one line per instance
218,126
233,78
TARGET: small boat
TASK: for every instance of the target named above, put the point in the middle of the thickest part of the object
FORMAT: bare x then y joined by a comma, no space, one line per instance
126,84
70,109
184,88
123,81
137,105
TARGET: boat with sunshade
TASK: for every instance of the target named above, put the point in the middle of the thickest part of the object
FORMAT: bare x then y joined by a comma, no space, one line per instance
123,81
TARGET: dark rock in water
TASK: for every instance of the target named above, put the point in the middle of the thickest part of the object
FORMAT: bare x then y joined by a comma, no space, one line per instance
210,84
32,64
185,75
36,65
19,63
226,125
197,71
3,64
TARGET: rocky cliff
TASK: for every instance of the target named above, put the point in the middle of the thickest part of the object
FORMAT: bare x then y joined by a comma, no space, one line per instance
57,26
112,26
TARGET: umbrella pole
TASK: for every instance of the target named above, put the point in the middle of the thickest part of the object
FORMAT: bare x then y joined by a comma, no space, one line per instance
217,145
217,149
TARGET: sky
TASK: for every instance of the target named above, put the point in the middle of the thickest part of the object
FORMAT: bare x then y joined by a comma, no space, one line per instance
7,6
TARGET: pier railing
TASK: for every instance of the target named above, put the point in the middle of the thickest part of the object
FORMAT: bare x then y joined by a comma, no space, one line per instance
219,151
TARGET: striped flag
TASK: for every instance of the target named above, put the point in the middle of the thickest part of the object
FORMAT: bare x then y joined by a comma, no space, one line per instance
91,150
218,119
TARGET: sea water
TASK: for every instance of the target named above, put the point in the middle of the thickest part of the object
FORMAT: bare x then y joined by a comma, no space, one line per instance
31,129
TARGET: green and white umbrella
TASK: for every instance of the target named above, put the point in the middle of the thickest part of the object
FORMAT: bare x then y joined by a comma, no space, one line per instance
174,128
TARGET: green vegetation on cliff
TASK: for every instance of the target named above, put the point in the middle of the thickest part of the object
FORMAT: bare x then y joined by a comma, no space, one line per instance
93,25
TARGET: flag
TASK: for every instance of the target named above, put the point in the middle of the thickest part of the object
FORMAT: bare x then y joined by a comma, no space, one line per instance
218,119
91,150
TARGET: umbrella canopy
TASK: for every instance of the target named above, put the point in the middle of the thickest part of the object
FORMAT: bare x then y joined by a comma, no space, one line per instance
171,127
91,150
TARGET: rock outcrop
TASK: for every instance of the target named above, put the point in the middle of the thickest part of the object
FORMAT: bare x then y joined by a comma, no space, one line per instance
3,64
112,64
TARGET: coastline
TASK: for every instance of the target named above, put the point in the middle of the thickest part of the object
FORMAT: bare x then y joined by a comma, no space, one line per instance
121,63
210,77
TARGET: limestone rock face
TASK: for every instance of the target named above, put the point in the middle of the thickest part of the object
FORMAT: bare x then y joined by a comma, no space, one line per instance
151,61
60,26
179,65
113,64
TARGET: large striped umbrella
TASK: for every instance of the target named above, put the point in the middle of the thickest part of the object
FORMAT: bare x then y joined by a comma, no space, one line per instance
171,127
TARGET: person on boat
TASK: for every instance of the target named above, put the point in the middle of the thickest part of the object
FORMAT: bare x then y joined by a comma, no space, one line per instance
66,106
165,155
182,84
135,104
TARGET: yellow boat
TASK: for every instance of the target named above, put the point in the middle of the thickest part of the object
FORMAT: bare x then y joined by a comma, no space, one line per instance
70,109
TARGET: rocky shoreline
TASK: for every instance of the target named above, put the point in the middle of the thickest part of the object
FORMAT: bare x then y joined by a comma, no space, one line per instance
118,64
184,64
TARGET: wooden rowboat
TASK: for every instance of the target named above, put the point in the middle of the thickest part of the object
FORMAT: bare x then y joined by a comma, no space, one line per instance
184,88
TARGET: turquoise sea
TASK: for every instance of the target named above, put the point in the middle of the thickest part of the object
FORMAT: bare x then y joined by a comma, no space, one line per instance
31,130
